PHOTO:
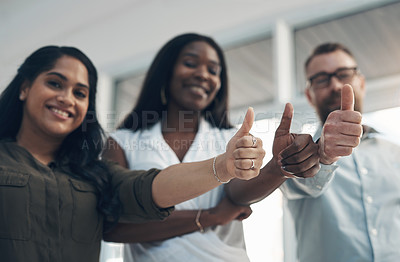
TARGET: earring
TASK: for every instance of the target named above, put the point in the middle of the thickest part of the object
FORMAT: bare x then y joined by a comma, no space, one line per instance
21,96
163,96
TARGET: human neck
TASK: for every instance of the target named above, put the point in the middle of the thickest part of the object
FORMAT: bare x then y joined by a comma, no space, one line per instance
44,149
178,121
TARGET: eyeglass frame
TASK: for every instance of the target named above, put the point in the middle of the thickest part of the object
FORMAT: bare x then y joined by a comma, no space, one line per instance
330,75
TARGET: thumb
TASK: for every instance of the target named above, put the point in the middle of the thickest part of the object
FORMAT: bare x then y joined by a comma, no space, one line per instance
347,98
286,120
247,123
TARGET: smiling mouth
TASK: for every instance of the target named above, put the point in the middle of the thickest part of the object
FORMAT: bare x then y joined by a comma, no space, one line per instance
199,88
60,112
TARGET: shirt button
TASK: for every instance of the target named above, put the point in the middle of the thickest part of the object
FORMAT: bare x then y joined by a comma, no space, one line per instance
369,199
374,232
364,171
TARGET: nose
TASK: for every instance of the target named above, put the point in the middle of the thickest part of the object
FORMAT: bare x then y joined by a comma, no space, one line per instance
335,83
65,97
202,73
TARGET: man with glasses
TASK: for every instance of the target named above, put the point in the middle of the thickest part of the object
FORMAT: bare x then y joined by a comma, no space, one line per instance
354,213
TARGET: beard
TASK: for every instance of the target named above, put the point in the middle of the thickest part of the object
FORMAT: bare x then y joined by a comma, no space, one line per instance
332,103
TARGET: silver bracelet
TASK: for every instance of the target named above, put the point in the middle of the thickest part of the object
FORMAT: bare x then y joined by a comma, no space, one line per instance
215,173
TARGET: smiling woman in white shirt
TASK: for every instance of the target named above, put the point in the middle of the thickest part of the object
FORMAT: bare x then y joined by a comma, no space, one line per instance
182,116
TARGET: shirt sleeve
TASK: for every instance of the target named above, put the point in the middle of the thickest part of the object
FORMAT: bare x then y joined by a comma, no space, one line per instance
309,187
134,188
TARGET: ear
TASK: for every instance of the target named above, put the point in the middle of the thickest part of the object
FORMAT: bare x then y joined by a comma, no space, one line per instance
24,91
309,96
362,84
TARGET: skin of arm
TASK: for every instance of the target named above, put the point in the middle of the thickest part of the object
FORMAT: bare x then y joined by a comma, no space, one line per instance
180,222
189,180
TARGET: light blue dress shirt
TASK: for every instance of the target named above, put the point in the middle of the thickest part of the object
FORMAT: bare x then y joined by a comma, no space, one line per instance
353,214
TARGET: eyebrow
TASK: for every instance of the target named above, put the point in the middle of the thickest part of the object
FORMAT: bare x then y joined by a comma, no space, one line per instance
195,55
64,78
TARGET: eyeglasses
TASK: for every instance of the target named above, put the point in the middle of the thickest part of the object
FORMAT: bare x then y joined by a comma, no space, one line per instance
323,80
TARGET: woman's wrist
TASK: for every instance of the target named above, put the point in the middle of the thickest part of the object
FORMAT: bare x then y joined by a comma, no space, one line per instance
216,173
274,168
220,170
209,218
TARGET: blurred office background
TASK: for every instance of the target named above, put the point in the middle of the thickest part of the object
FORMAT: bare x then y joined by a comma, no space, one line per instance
265,42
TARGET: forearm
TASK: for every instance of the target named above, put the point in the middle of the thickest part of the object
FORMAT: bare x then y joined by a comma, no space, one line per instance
180,222
181,182
247,192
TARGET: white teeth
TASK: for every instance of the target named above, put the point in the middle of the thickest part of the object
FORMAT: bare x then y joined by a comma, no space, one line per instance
62,113
199,88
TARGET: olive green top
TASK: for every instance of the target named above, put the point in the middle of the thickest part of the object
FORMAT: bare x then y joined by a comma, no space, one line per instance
48,215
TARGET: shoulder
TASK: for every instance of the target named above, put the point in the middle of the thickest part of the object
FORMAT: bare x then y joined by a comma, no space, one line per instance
5,150
122,134
129,135
3,145
9,148
384,145
382,140
227,134
214,131
125,137
6,142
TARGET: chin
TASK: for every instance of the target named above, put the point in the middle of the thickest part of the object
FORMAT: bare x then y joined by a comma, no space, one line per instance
59,132
195,106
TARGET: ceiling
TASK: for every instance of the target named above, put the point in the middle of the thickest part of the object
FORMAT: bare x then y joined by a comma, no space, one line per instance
372,35
122,36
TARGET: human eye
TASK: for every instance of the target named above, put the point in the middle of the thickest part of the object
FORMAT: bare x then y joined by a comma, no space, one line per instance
190,63
80,94
344,74
321,79
214,70
54,84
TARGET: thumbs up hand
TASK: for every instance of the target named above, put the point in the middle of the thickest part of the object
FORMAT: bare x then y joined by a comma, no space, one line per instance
296,154
347,98
293,156
342,130
244,153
